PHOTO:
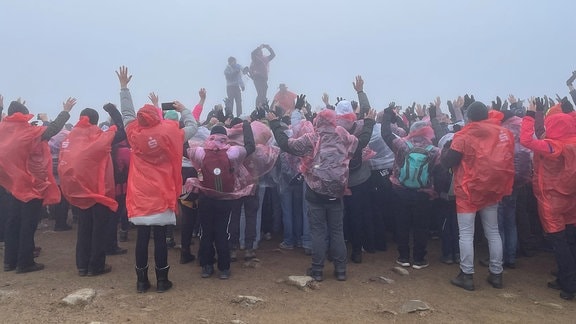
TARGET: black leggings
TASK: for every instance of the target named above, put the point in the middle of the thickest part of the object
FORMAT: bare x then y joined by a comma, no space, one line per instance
160,246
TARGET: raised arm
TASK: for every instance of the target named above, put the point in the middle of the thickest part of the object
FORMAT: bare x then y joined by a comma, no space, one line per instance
190,124
116,120
271,51
56,126
126,104
200,105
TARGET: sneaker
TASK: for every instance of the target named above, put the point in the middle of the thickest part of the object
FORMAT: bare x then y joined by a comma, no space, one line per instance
447,259
34,267
224,274
403,262
9,267
420,264
186,257
107,268
249,255
117,251
207,271
315,274
285,246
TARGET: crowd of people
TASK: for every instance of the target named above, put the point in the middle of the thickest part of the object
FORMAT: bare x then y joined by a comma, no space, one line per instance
338,183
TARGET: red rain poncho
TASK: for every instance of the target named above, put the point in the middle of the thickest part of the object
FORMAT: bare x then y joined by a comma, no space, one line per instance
486,172
554,181
85,166
155,178
26,163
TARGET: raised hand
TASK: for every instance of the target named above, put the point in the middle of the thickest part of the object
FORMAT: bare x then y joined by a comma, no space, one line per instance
497,105
68,104
432,112
154,99
538,104
571,79
325,99
300,101
123,77
202,94
505,105
437,102
178,106
512,99
359,84
566,105
371,114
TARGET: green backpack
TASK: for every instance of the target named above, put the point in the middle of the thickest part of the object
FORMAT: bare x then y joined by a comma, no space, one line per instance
415,172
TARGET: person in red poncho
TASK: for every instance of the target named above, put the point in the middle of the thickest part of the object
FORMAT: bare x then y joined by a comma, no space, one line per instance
26,174
155,178
482,158
554,185
87,181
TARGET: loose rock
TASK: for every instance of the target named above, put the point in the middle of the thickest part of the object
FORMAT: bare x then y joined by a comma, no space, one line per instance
247,300
300,281
414,306
401,271
80,297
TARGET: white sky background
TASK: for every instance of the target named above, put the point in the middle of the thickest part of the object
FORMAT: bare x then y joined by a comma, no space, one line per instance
411,50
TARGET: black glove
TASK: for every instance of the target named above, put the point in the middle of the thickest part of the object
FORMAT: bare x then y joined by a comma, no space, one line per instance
539,104
566,105
338,99
432,112
505,105
571,79
300,101
109,107
468,100
497,105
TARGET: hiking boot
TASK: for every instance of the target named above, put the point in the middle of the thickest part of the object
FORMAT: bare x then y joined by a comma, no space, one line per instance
107,268
403,262
249,255
31,268
186,257
123,236
464,280
315,274
207,271
420,264
495,280
340,275
162,282
233,256
142,283
356,257
285,246
224,274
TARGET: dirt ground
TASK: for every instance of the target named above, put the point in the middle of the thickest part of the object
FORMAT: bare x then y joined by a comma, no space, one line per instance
36,297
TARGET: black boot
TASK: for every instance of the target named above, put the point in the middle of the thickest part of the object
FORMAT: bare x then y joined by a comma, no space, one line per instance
495,280
143,284
162,282
463,280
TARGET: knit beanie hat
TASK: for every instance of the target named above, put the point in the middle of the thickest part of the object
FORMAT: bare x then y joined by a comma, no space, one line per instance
344,107
91,114
477,111
217,129
15,107
171,114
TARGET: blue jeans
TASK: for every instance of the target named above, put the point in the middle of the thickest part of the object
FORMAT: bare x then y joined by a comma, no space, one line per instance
326,219
507,227
489,216
291,198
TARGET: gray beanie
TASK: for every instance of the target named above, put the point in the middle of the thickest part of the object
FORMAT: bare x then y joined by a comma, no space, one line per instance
477,111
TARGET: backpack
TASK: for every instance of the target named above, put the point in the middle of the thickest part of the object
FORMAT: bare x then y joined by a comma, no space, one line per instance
217,171
415,172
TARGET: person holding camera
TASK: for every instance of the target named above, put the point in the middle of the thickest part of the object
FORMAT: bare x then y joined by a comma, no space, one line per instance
259,68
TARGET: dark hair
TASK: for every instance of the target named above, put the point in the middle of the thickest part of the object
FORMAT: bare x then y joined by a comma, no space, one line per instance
91,114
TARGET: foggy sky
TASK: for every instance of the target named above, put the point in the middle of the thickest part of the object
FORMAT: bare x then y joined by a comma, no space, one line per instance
412,50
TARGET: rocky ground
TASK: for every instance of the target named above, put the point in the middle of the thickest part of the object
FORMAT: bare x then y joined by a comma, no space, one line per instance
261,292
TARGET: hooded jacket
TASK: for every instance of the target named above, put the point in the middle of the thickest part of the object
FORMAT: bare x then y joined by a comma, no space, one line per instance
85,166
26,164
554,180
486,172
